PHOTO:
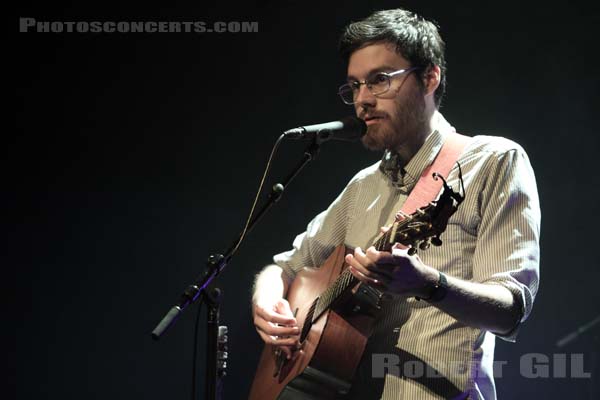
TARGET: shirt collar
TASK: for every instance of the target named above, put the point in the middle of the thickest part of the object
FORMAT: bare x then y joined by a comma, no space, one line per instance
405,177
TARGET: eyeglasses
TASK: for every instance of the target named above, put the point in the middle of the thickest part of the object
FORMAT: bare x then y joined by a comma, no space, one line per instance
377,84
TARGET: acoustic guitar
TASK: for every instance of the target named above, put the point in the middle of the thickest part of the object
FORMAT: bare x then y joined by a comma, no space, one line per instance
336,312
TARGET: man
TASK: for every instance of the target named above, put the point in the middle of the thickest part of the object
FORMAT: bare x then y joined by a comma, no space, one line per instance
488,263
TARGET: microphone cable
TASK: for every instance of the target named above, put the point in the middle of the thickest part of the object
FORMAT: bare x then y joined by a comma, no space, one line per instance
233,251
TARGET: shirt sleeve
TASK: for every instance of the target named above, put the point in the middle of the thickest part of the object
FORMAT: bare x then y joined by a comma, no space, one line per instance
507,251
323,234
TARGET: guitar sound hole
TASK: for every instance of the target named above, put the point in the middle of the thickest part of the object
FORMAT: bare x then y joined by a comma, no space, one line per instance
308,321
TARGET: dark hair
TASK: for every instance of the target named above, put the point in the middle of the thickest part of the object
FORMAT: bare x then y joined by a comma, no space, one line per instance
415,38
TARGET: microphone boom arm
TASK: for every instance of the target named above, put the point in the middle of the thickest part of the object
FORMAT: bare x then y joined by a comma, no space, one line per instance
217,262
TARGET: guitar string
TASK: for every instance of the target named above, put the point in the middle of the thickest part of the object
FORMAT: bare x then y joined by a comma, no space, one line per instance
344,281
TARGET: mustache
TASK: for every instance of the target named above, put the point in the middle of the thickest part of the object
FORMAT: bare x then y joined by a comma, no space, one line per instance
369,114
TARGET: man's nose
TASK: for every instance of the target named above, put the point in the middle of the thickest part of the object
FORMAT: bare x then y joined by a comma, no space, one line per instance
365,98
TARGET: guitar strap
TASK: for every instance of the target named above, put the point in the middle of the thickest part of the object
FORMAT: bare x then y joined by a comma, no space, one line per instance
427,189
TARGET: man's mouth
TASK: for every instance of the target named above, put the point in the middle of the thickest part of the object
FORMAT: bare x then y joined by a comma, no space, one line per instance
372,119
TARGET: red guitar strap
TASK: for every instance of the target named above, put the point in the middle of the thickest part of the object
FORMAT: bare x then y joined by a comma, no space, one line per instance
427,189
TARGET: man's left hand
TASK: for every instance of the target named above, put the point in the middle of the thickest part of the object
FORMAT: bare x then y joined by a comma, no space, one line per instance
395,273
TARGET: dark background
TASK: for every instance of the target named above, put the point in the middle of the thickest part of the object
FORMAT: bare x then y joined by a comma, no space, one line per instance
135,156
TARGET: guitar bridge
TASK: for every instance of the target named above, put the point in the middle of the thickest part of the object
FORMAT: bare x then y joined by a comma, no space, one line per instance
280,357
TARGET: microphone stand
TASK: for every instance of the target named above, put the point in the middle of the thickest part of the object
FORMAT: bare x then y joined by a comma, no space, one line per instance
214,265
573,336
565,340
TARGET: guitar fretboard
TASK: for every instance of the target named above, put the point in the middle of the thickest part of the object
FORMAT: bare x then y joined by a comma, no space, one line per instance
346,280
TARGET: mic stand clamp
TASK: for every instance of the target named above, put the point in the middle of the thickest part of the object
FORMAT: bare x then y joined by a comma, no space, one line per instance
212,384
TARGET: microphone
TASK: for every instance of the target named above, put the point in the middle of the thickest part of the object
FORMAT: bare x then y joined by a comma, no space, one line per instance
347,129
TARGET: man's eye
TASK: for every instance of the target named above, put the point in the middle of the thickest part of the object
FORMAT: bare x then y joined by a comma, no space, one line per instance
379,78
355,85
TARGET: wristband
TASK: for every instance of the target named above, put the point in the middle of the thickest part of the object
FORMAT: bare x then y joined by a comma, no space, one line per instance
438,291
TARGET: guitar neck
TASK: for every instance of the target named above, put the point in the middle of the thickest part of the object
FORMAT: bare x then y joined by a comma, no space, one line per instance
346,280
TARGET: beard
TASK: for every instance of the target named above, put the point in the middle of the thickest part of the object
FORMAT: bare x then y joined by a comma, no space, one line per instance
404,129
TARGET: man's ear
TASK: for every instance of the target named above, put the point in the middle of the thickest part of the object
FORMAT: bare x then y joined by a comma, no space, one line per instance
431,79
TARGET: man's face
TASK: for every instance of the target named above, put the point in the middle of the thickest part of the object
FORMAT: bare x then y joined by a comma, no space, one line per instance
397,117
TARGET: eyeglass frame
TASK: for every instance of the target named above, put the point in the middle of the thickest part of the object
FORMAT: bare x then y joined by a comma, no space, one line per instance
388,75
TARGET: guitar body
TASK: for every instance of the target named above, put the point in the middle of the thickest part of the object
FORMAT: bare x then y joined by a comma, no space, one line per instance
335,312
331,349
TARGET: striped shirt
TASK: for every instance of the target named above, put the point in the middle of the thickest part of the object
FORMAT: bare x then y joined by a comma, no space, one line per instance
416,350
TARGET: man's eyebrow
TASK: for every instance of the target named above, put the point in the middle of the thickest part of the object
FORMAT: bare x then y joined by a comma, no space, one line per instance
383,68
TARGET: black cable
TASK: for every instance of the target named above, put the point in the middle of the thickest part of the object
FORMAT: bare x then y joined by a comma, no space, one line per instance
258,192
235,247
195,351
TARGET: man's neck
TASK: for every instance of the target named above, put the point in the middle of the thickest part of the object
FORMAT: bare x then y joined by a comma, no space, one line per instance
410,147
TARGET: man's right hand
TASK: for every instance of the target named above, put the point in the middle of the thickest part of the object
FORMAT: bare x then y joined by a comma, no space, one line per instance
276,325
